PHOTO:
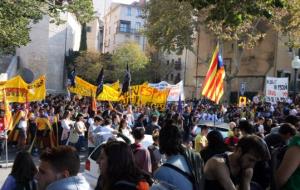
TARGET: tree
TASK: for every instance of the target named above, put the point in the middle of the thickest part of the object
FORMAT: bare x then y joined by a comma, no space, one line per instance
83,39
232,21
129,53
16,17
170,25
88,66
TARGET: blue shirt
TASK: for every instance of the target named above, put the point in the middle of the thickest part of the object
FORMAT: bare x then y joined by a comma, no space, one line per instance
9,184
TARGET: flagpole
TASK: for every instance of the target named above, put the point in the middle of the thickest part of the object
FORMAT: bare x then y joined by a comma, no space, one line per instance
215,89
6,149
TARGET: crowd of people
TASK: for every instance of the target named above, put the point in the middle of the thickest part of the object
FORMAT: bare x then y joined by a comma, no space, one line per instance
259,150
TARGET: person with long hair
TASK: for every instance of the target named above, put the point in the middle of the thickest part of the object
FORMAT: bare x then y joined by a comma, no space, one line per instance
118,169
22,173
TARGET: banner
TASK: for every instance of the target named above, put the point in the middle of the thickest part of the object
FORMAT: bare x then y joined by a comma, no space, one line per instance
115,85
109,94
83,88
153,97
161,85
276,89
175,91
16,89
133,96
37,89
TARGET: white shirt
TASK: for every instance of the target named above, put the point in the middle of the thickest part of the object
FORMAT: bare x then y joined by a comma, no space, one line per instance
91,135
81,127
22,124
65,124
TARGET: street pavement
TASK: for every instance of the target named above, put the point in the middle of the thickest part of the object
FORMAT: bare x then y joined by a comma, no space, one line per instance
6,168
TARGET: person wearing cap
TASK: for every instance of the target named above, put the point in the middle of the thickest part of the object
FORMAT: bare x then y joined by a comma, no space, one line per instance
234,170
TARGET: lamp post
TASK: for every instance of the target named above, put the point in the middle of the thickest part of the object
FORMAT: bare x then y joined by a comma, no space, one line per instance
295,66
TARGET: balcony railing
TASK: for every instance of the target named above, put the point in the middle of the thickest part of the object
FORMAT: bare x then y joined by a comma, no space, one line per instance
128,30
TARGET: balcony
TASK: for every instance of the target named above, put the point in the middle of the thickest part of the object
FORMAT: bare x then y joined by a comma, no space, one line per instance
128,30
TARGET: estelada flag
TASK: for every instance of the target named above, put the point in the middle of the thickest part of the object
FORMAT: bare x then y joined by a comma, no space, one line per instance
213,84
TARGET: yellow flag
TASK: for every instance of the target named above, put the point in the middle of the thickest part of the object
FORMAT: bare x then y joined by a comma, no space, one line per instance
83,87
109,94
115,85
15,89
37,89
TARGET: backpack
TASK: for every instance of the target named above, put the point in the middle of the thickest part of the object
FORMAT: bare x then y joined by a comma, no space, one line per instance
196,165
155,163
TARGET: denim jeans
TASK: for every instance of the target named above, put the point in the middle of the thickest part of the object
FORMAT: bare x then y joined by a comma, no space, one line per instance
80,143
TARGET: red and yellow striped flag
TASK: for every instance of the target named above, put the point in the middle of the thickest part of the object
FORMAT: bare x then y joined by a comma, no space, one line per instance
8,116
212,87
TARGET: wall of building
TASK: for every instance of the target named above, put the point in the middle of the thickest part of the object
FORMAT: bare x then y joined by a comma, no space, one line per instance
113,37
47,49
34,55
92,35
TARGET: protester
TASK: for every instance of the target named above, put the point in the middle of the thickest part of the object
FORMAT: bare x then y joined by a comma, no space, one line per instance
59,169
97,122
80,129
183,168
22,174
66,124
288,173
235,170
153,125
156,156
118,169
215,146
141,155
201,140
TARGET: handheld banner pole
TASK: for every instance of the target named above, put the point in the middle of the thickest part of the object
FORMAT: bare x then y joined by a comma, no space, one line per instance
6,149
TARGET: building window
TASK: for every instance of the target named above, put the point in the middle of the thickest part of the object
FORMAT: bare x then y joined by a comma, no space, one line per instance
177,79
139,12
168,62
128,11
167,77
138,26
172,61
172,77
124,26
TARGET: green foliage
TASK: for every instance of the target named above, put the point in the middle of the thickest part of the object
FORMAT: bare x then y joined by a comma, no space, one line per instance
288,22
131,54
170,25
88,66
15,17
83,10
230,20
83,42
